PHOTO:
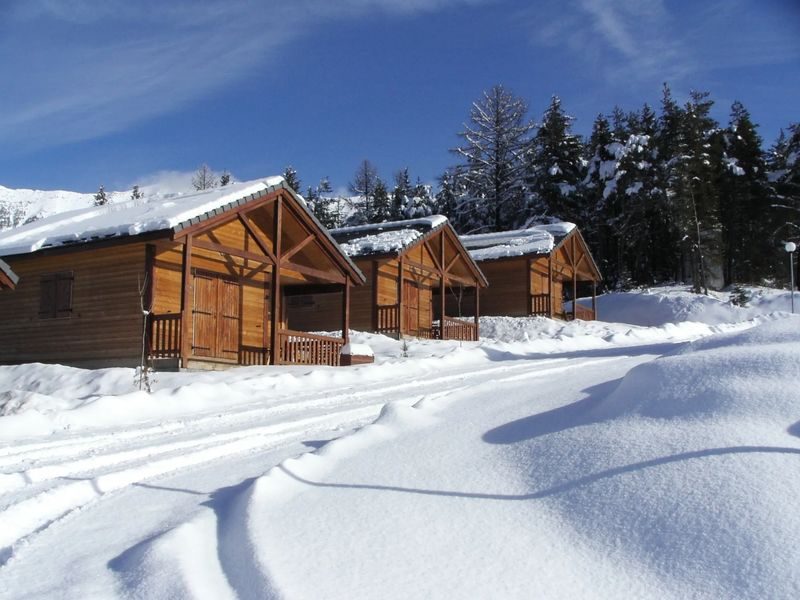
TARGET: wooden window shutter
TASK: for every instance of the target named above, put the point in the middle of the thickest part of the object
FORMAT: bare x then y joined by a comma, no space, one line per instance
55,299
47,296
64,294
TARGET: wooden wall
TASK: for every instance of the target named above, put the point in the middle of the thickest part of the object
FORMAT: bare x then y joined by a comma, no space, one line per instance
105,325
507,293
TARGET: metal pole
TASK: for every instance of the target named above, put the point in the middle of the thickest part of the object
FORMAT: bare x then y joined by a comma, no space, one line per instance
791,276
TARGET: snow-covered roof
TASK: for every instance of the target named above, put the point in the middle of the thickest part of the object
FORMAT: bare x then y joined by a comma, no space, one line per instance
155,212
6,270
385,238
538,239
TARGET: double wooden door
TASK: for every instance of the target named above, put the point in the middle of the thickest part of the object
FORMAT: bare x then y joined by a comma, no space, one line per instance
417,307
216,316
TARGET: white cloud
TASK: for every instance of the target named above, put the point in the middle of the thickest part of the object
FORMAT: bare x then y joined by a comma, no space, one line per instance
633,41
85,68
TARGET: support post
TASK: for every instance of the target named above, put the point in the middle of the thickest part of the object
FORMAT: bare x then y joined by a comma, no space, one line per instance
594,299
550,286
574,283
400,276
375,270
186,303
477,312
275,292
346,312
529,292
443,289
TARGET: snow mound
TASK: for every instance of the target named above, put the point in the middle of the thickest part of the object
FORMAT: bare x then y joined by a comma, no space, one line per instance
658,306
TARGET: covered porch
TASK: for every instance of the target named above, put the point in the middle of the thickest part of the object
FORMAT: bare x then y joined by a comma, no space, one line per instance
217,290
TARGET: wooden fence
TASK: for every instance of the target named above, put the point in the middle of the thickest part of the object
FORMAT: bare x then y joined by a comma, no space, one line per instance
300,348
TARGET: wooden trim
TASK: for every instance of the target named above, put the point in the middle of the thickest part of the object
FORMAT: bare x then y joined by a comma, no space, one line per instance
150,274
442,290
528,291
594,299
299,247
452,263
228,215
6,281
438,263
574,283
421,267
326,275
257,238
231,251
459,279
275,292
187,326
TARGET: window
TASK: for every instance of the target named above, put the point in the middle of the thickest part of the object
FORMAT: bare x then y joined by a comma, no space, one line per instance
56,295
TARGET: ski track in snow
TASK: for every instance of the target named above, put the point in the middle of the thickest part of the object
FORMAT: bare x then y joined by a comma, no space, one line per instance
42,482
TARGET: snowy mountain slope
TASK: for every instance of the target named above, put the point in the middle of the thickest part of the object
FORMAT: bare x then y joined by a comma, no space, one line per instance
458,488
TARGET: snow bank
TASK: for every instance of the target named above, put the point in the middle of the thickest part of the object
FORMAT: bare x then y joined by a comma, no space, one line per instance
656,490
658,306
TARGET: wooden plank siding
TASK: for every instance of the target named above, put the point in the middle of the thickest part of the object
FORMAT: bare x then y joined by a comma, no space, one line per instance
104,326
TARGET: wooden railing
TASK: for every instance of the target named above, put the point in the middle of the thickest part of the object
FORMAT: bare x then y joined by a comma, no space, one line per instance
253,355
456,329
389,319
540,305
165,336
300,348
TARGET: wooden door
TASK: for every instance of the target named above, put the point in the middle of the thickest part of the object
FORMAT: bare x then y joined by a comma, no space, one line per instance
216,316
410,307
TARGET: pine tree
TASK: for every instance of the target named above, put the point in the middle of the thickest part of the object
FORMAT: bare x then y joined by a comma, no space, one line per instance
450,190
291,179
745,209
381,205
204,178
101,198
321,206
136,194
693,195
225,178
363,184
554,167
493,144
400,194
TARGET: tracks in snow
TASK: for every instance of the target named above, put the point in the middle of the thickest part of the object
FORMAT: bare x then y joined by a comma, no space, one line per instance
42,482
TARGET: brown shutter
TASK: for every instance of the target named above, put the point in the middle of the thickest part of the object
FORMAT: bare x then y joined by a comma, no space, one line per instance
47,296
63,294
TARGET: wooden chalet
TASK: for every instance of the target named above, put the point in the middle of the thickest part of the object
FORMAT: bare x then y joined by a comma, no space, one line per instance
533,271
412,268
8,279
203,276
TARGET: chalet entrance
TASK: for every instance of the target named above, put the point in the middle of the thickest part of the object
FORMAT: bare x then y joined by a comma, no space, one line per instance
216,315
417,308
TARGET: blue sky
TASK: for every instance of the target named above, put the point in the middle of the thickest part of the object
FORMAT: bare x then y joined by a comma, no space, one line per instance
124,91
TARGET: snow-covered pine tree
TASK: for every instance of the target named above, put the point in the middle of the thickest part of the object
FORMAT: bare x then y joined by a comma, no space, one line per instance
381,204
554,167
321,206
100,197
225,178
493,143
784,168
745,209
450,190
422,203
400,194
204,178
292,179
693,195
598,183
136,193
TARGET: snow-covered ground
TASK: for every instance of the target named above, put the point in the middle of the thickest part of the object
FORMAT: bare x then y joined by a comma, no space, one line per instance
551,459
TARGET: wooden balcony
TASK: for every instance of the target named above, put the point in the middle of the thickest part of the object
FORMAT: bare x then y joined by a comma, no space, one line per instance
300,348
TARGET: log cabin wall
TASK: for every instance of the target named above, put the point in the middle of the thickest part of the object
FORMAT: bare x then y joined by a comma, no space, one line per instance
508,288
104,325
